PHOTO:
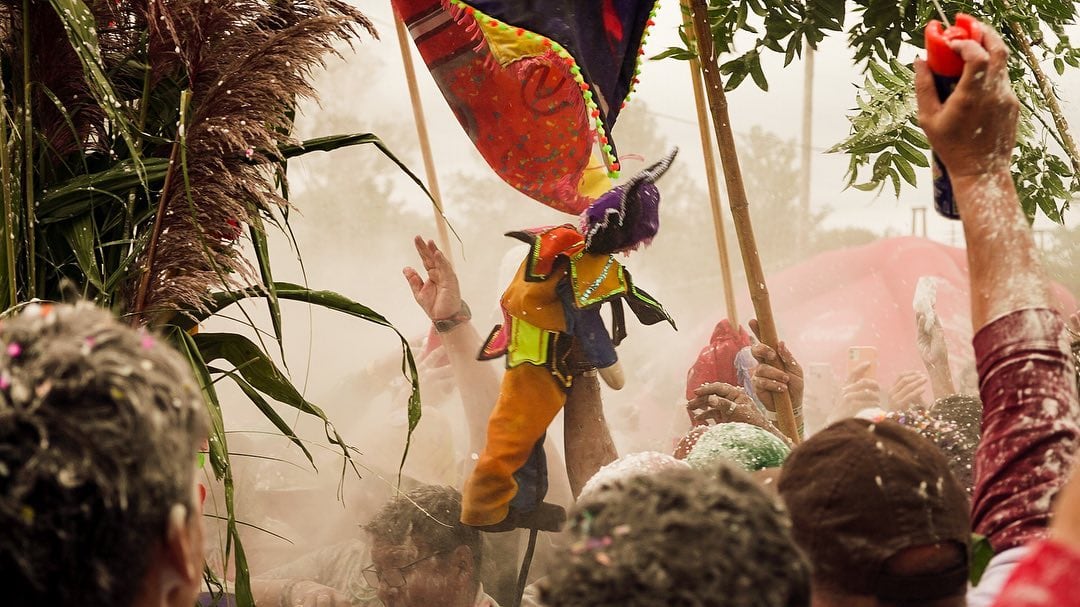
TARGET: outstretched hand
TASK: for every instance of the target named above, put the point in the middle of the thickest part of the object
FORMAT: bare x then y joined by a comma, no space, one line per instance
974,130
859,392
439,296
908,391
776,372
721,403
930,340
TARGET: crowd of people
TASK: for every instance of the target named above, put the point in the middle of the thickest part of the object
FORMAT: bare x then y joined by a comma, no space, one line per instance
963,500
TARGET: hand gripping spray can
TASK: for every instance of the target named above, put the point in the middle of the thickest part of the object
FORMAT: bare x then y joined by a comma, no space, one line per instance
947,66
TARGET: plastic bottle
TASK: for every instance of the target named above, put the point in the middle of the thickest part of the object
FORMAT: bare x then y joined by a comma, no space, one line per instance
947,66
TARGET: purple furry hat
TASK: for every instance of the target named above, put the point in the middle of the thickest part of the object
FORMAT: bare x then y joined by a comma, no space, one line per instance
627,216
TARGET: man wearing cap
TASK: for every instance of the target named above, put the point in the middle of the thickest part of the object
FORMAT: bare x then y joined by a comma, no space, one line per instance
874,506
880,514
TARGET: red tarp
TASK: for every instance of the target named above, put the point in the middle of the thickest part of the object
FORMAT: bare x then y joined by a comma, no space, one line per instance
862,296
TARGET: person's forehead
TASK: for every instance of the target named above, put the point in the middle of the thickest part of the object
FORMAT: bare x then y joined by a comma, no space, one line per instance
395,554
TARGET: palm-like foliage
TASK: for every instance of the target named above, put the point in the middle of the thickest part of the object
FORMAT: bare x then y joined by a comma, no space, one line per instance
141,141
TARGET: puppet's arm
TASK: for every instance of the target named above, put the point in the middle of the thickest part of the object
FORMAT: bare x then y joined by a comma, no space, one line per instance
593,338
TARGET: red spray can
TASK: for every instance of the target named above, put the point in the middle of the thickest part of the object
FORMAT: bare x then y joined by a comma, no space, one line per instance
947,66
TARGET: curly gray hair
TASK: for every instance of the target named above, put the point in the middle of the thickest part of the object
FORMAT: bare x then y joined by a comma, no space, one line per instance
99,426
681,538
430,515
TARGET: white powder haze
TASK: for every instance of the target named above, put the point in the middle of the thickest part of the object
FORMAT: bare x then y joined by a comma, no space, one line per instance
356,215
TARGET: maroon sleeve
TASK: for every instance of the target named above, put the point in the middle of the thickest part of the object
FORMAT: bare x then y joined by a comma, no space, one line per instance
1030,426
1045,578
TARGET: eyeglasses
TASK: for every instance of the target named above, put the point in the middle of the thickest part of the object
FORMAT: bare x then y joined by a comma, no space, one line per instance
393,577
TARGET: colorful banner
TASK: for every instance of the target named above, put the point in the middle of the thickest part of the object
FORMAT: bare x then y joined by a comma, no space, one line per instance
537,84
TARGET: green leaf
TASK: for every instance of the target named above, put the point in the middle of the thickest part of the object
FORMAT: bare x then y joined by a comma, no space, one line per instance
82,33
912,155
881,166
334,142
895,182
674,52
80,235
757,74
219,461
340,303
905,170
981,553
262,255
81,193
256,368
270,413
737,76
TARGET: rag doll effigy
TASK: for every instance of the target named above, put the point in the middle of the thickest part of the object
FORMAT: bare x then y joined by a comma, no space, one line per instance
553,305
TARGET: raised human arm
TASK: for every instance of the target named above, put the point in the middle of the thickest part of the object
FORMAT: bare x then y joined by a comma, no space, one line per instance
440,298
1031,420
973,133
587,439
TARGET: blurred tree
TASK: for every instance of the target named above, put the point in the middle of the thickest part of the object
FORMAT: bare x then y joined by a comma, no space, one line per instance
1061,254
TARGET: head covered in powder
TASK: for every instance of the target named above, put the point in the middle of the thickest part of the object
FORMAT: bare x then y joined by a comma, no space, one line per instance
99,426
420,535
953,425
747,446
680,539
629,466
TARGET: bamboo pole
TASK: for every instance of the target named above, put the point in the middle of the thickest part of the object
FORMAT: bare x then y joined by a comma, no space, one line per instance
740,207
422,135
1047,89
710,174
807,140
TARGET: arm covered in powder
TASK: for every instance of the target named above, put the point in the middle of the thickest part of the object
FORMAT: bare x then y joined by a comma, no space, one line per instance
1030,415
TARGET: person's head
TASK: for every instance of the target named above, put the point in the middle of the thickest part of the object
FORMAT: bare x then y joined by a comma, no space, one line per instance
99,427
628,466
953,425
422,553
750,447
880,515
680,538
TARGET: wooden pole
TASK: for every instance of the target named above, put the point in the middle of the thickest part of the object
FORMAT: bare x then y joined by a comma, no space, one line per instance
807,140
710,174
422,135
740,207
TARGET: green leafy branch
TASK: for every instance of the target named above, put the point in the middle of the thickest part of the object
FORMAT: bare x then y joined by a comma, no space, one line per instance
885,144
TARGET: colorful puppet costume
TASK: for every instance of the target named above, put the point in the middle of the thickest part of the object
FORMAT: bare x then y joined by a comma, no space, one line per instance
536,84
553,305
